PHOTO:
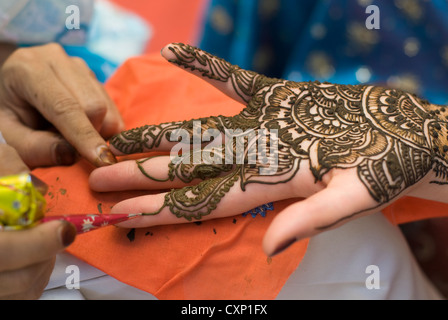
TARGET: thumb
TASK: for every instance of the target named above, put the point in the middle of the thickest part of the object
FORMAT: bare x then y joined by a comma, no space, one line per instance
329,208
23,248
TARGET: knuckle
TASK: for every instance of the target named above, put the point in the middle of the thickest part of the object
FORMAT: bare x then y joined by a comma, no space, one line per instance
95,108
23,54
63,107
86,133
53,46
18,65
33,54
83,66
79,61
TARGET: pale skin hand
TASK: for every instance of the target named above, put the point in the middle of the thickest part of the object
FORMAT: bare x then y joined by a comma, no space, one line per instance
348,150
52,108
27,257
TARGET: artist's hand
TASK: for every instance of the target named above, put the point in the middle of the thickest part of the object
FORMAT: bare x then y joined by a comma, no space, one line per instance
349,150
52,108
27,256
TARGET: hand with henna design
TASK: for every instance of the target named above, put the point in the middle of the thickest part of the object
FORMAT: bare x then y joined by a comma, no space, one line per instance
348,150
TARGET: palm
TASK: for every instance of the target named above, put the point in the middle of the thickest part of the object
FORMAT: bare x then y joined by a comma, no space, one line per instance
386,140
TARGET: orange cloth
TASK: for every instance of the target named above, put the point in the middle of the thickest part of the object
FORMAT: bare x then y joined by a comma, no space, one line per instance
217,259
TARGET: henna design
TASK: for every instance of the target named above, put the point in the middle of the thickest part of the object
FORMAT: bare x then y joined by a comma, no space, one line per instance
391,137
198,201
144,138
188,57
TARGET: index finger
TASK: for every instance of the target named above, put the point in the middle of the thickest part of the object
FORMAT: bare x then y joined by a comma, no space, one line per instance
237,83
56,103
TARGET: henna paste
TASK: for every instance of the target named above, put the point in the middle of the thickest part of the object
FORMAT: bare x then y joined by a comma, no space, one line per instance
391,137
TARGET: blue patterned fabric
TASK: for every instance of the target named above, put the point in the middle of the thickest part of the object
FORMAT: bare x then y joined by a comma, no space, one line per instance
329,41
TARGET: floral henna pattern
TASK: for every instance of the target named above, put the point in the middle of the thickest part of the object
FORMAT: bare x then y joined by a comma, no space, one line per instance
391,137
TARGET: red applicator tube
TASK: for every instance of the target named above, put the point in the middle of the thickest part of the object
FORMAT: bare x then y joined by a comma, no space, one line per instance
87,222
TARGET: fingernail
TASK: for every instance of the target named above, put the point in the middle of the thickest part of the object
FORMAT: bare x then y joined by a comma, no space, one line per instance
65,154
67,233
283,246
105,157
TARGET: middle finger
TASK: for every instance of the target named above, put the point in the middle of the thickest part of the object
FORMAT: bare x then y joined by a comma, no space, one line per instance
153,173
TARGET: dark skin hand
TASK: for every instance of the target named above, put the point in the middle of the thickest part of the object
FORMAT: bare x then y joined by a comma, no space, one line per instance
27,257
52,108
348,150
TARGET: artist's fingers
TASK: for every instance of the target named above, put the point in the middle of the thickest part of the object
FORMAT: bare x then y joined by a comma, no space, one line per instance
11,161
38,148
22,248
93,98
345,198
237,83
113,122
66,102
26,283
84,89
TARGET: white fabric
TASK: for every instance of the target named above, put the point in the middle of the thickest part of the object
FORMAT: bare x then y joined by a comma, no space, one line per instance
334,267
116,34
94,284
